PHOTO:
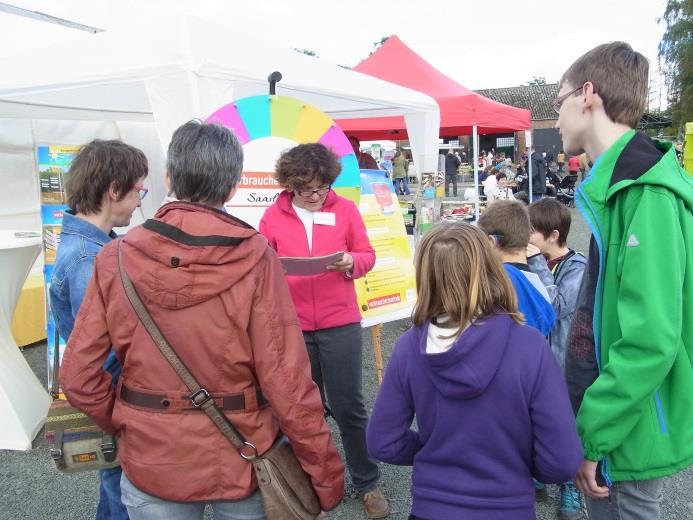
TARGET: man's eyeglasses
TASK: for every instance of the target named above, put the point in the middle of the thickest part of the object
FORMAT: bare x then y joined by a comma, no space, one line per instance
141,191
309,193
558,102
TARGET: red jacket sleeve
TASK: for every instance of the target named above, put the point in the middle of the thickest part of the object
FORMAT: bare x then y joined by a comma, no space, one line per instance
283,371
360,247
82,377
266,230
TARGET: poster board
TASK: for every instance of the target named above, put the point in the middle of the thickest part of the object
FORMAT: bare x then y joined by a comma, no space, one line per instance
53,163
388,291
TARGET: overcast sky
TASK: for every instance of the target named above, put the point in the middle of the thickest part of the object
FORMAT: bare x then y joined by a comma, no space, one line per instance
479,43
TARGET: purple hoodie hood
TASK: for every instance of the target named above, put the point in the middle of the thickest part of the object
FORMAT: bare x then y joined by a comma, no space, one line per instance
466,369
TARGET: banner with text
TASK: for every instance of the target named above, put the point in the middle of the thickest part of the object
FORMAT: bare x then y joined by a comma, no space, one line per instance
53,165
388,292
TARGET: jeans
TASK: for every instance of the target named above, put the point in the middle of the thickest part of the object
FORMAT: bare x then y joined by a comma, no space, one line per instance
143,506
110,505
451,178
536,196
402,185
335,361
629,500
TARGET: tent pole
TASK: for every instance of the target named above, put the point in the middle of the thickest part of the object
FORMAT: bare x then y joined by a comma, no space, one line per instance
475,144
529,166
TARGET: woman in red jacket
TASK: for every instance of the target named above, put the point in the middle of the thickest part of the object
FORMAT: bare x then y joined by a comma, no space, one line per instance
217,292
309,219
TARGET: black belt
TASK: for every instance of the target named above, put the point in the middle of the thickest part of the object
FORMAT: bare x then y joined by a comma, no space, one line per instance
247,401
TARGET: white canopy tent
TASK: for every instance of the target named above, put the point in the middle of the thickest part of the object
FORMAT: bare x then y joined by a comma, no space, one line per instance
171,69
140,84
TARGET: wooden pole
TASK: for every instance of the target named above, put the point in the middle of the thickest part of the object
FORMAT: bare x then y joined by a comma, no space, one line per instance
377,351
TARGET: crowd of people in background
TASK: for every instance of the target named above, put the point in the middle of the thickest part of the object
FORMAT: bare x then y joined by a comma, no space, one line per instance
500,176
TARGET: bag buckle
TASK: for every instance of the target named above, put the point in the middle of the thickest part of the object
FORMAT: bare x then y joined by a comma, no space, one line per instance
108,448
200,397
246,454
56,454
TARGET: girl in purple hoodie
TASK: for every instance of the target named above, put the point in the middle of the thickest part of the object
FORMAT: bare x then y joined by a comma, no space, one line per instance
490,402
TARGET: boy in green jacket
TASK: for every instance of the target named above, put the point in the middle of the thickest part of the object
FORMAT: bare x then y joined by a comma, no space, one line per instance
628,364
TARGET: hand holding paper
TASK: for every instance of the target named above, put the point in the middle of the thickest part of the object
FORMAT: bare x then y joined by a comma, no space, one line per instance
345,264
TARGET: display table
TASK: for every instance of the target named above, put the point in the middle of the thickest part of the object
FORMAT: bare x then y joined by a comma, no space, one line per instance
23,400
29,321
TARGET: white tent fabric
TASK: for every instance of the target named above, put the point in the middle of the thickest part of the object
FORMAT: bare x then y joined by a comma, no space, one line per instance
23,401
172,69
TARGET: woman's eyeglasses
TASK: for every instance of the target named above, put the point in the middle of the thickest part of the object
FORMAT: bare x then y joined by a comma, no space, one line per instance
309,193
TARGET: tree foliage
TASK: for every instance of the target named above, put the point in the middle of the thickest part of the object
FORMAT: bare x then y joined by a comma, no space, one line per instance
307,52
537,80
378,44
676,59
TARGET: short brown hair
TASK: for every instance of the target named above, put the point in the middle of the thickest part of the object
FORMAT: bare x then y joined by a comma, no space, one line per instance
98,165
548,214
458,274
301,164
619,76
508,222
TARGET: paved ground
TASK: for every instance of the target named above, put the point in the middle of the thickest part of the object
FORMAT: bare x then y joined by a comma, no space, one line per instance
30,487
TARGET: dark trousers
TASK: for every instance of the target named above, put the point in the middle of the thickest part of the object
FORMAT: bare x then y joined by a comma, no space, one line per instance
451,178
335,361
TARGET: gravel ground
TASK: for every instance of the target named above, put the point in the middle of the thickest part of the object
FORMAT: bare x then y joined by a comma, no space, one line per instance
30,487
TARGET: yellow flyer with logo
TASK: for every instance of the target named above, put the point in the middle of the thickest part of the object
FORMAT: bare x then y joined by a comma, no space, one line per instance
388,292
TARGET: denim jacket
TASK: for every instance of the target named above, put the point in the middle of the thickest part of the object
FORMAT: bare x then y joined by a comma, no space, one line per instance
80,242
563,286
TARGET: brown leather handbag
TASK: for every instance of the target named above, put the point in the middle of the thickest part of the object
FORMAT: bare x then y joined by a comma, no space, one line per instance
287,492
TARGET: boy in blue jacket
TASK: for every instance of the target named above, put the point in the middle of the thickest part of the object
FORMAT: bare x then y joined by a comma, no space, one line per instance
506,222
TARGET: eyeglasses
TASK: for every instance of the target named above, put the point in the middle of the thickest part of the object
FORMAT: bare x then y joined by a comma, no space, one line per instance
558,102
141,191
309,193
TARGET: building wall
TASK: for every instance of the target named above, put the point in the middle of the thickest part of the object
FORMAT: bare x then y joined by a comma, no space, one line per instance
544,126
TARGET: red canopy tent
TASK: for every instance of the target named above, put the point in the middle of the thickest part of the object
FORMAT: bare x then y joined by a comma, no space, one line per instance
460,108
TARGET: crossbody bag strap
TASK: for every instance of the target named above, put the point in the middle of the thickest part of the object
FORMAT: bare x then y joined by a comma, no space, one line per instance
199,396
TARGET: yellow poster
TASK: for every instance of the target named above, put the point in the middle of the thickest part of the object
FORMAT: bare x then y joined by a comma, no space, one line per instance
388,292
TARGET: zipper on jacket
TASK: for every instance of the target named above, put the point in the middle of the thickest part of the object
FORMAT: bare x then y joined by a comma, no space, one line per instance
587,210
605,473
660,414
310,254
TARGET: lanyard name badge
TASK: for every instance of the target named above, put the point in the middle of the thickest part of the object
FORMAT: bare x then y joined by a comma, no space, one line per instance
324,218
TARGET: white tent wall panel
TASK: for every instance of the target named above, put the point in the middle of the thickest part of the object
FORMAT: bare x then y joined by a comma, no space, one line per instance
145,137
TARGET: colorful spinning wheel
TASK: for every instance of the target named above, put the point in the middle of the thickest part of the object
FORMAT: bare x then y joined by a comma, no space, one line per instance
257,117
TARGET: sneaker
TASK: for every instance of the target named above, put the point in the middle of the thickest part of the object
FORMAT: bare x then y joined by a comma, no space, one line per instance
570,502
375,504
541,492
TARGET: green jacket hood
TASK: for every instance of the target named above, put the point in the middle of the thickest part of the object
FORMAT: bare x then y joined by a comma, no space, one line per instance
641,160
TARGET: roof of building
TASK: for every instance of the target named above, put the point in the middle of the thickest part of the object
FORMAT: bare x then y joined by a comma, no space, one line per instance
536,98
539,99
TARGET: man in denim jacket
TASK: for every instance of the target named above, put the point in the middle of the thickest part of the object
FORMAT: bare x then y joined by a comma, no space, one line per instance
104,187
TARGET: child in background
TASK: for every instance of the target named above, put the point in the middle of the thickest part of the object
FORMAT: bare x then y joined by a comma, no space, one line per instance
468,360
560,270
506,222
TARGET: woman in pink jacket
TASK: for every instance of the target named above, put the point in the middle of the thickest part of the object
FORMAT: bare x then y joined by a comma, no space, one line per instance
309,219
